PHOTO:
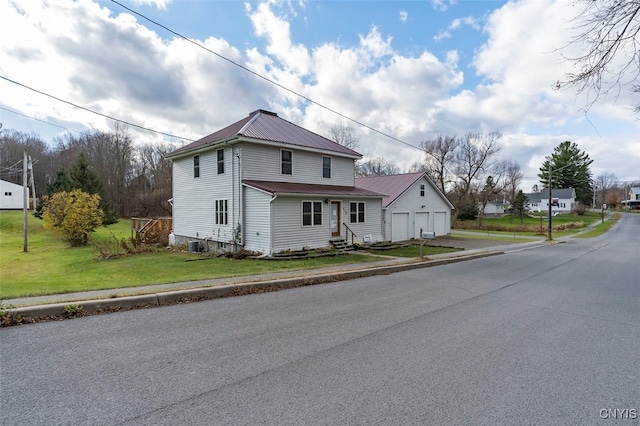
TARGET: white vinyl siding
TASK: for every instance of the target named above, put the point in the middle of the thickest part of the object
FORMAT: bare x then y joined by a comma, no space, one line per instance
257,221
288,231
412,201
261,162
194,199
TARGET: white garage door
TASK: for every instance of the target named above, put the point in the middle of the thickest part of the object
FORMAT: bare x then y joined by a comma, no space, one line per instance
440,223
422,221
399,226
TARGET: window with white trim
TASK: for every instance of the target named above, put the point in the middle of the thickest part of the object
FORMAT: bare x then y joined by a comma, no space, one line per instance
222,212
326,167
286,160
220,154
311,213
196,166
356,210
422,187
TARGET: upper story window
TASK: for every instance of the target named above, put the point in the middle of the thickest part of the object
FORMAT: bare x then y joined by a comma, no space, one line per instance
196,166
287,162
326,167
311,213
422,189
220,161
357,212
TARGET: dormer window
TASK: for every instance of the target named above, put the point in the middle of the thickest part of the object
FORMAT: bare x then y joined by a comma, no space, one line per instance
326,167
286,158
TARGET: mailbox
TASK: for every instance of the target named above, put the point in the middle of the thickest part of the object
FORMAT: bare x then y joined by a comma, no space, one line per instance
428,235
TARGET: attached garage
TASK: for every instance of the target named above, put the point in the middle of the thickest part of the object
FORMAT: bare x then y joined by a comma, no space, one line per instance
440,223
412,202
400,226
422,222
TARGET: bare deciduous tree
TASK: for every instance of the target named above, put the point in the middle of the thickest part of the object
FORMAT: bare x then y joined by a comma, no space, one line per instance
345,136
376,167
440,155
604,183
609,39
474,157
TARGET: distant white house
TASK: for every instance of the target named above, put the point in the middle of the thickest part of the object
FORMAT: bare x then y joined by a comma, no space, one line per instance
633,200
412,202
493,209
11,196
563,200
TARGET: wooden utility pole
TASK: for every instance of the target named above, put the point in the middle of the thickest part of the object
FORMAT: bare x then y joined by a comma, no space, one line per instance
25,205
33,185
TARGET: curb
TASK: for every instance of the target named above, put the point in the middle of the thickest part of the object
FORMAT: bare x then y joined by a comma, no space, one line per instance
57,311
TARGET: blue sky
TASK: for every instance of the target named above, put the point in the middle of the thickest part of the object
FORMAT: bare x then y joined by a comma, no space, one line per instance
411,69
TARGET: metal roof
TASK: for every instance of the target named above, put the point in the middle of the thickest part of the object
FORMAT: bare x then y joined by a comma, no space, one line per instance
310,189
267,126
555,193
396,185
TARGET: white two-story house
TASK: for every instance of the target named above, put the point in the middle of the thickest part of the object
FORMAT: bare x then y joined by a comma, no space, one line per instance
563,200
267,185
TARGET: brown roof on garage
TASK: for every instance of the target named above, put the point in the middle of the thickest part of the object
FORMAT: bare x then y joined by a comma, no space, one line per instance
266,125
310,189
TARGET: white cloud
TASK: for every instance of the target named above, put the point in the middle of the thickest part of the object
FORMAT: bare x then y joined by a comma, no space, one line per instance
442,5
115,65
160,4
404,15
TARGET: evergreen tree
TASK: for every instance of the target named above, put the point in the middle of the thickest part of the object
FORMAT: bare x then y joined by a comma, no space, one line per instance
519,204
569,169
84,178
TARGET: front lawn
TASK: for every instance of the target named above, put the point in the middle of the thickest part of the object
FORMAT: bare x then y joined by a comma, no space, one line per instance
51,266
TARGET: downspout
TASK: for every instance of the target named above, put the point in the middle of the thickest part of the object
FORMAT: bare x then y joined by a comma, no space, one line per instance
271,222
239,231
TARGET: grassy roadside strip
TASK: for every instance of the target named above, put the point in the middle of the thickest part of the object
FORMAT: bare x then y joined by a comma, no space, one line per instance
600,228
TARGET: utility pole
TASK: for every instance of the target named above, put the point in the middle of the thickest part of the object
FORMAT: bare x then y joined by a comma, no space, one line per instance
33,185
25,205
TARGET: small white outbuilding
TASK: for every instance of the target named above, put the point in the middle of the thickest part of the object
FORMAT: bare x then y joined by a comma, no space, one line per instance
11,196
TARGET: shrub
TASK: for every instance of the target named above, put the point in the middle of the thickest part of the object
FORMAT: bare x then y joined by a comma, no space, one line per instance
74,215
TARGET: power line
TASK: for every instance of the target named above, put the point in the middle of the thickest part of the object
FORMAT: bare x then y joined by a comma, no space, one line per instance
42,121
95,112
265,78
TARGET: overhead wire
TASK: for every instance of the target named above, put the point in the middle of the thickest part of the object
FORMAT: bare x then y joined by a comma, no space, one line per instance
306,98
95,112
37,119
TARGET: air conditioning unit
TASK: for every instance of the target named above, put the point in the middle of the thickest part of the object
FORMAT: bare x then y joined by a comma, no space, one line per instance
194,246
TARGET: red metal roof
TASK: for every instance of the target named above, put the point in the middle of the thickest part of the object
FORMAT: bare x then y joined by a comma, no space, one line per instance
310,189
392,185
266,125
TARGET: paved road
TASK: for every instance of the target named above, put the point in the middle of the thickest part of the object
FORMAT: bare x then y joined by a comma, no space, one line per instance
542,336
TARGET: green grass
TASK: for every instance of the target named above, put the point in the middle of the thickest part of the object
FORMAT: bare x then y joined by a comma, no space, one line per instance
601,228
414,251
531,225
51,266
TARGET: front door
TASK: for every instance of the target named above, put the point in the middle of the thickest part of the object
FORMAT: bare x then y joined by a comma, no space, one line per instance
335,218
